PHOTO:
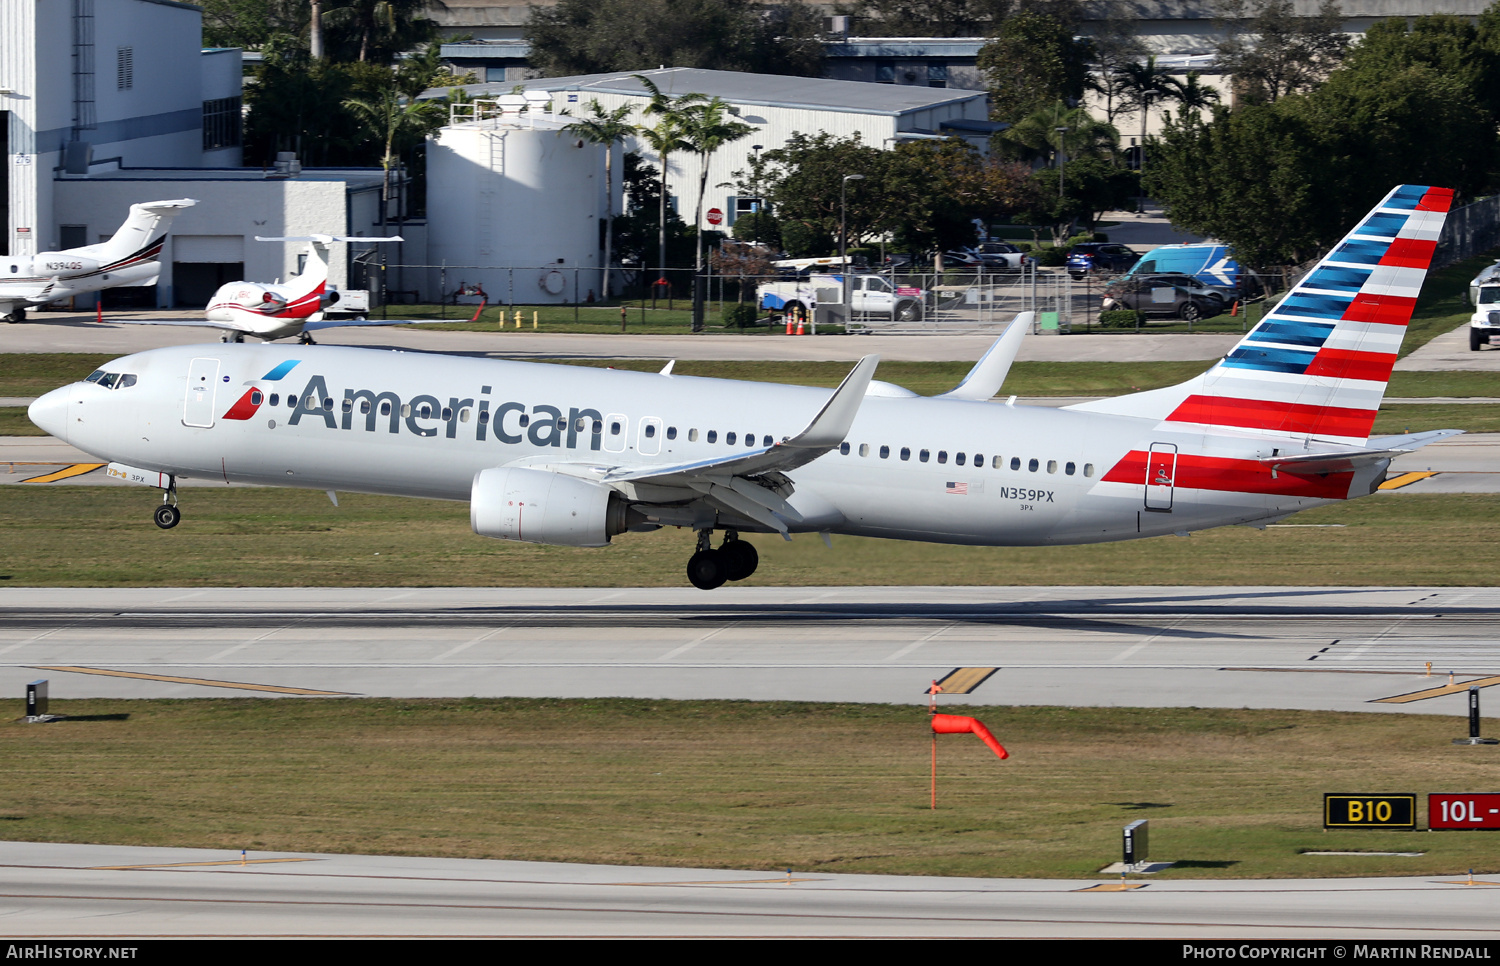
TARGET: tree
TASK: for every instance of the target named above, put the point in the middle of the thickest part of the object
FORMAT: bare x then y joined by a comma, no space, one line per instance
1143,83
604,36
1036,138
1281,181
251,23
664,138
803,179
607,128
1035,59
705,127
1090,188
1115,44
400,122
928,18
1192,97
934,191
1272,52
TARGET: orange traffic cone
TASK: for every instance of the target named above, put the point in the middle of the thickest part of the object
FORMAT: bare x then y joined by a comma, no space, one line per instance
801,326
789,323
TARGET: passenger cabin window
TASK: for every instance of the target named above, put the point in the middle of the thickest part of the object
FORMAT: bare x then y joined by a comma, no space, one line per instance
1033,465
1088,469
998,462
650,430
1015,462
671,432
692,436
713,435
1052,466
614,429
1070,468
885,452
843,449
942,456
924,455
958,459
729,438
864,449
906,452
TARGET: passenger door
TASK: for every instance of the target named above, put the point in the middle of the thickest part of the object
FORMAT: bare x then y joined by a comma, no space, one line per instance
202,383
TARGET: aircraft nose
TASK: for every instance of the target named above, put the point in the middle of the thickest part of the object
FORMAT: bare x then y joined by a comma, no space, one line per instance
50,412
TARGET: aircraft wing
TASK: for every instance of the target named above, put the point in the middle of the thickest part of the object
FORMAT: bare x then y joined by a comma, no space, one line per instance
750,482
989,373
1344,460
193,323
339,323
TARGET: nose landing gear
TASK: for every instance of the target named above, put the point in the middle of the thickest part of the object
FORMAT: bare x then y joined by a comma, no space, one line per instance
734,560
167,515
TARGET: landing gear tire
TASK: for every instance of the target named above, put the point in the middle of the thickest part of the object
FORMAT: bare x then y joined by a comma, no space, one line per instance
305,338
706,569
739,559
16,315
232,337
166,516
1477,339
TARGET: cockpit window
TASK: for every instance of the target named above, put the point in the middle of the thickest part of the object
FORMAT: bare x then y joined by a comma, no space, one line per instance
112,380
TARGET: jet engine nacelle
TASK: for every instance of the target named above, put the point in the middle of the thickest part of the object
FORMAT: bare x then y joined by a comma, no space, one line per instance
535,506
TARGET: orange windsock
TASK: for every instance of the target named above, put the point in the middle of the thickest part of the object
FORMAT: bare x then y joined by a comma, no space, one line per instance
954,724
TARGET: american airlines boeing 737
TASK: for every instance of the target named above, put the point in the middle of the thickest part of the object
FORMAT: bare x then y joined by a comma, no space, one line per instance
576,456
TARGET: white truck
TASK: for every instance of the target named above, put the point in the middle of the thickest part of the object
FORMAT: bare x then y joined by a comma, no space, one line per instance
1484,296
869,295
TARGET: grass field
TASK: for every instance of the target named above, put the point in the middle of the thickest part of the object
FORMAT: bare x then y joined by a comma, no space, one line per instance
814,787
88,536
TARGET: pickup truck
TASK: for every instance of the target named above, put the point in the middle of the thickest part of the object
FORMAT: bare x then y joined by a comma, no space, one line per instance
1484,296
868,295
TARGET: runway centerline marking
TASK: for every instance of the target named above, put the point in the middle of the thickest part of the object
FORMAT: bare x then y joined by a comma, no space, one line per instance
244,644
692,644
481,638
1130,652
916,644
172,679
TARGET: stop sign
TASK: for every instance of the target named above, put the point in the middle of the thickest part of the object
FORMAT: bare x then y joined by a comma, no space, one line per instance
715,216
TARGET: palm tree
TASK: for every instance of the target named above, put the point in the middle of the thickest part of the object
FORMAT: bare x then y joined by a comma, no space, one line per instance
706,127
1192,97
1143,82
664,138
606,128
1036,137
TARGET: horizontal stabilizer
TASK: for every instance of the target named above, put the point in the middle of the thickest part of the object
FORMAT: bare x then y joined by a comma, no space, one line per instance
311,325
988,374
1343,461
327,239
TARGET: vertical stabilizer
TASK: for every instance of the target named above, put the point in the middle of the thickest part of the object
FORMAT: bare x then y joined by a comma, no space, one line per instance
1317,365
140,238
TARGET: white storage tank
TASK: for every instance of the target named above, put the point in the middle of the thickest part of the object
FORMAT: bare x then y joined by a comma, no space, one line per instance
514,206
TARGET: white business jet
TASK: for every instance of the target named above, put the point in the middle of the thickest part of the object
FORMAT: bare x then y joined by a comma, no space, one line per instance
576,456
129,258
278,310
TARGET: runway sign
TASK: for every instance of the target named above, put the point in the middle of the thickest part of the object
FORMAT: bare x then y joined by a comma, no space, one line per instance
1370,811
1463,811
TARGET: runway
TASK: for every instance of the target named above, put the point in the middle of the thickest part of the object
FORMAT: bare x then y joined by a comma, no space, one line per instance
77,891
1313,648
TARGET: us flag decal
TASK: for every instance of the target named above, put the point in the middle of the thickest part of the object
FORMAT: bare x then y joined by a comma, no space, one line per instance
958,489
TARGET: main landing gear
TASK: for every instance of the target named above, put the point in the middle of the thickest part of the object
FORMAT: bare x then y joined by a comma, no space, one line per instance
232,337
167,515
734,560
305,338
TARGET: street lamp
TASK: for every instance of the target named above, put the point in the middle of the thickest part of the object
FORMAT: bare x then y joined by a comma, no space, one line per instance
755,187
844,240
1062,159
843,210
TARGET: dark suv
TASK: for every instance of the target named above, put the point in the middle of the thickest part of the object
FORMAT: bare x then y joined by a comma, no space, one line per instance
1109,257
1165,296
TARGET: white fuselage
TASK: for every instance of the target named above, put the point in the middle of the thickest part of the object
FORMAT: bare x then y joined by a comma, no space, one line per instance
37,279
411,424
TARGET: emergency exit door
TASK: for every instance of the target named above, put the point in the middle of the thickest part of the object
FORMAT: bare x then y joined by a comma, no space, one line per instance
1161,475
